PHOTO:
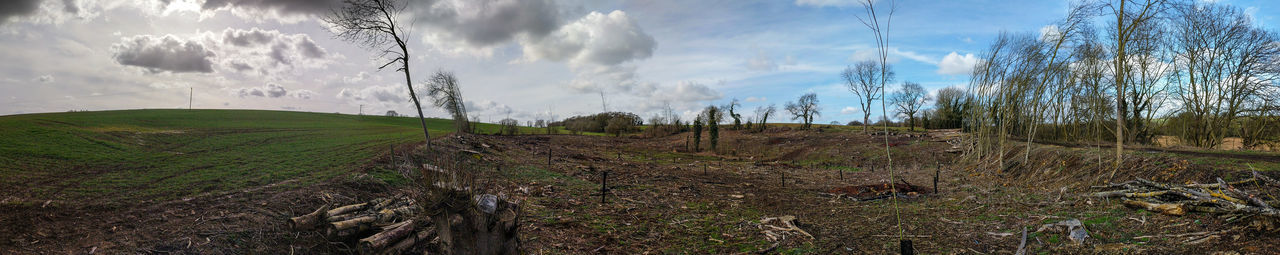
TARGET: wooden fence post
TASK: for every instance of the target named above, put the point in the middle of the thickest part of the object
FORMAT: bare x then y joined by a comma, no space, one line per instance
604,183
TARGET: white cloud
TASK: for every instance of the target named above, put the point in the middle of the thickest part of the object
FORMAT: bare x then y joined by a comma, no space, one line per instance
1049,33
685,91
895,55
286,11
763,61
756,99
303,94
391,93
956,64
848,110
359,77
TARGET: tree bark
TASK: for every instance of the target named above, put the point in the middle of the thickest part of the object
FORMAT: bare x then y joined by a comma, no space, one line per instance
376,242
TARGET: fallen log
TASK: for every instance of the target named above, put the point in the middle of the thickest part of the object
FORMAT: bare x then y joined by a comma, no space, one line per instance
1167,209
346,209
426,234
348,224
308,221
393,233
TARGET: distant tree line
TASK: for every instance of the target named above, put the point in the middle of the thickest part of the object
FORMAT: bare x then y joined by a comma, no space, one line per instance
607,122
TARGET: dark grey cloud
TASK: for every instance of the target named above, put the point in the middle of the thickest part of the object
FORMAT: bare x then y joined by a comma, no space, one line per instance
251,37
487,22
164,53
600,39
296,7
70,6
267,52
309,49
15,8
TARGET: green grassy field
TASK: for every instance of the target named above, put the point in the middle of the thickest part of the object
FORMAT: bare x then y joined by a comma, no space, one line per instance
135,155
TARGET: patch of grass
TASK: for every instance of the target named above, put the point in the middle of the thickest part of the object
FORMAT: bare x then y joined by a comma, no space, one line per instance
159,154
537,174
391,177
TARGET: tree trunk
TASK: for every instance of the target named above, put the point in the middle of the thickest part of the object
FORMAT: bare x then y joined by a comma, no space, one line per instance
409,82
376,242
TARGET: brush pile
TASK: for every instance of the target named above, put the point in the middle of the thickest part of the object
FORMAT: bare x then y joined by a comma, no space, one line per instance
383,225
871,192
1233,200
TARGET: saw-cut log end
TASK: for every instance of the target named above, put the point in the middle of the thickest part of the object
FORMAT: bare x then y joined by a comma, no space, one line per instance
310,220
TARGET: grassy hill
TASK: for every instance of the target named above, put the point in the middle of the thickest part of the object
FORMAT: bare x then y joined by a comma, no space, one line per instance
164,154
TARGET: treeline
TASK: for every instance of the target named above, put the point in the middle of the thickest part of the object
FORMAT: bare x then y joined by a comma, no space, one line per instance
1197,70
607,122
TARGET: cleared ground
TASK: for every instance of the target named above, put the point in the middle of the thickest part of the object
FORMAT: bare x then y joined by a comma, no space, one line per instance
127,189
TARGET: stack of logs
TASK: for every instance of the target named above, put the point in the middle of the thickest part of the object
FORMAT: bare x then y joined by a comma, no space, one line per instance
1222,197
392,218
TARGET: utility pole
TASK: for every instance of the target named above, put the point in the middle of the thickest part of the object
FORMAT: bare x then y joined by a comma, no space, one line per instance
190,95
361,109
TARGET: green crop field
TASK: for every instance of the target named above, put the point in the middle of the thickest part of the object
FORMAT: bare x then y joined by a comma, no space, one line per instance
135,155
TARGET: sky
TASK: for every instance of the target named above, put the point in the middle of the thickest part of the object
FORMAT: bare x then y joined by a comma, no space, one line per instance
527,60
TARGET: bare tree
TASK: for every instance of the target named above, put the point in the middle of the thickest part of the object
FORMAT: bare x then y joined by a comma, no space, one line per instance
443,89
763,113
1217,86
908,100
1128,21
805,109
865,81
737,118
373,24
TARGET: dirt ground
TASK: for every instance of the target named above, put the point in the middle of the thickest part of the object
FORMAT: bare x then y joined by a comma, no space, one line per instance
663,198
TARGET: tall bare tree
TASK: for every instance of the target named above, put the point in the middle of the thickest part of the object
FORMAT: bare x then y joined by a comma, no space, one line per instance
805,109
908,100
880,29
865,80
373,25
444,91
1128,20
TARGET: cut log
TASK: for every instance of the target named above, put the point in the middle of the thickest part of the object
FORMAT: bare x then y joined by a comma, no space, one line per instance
337,218
346,209
1167,209
308,221
426,234
352,223
377,242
